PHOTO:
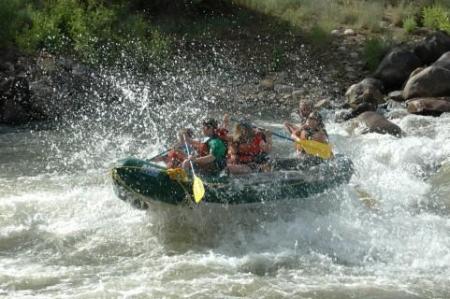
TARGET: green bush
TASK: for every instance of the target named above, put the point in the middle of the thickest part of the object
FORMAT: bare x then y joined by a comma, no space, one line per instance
409,24
374,50
277,60
91,31
436,17
319,36
12,18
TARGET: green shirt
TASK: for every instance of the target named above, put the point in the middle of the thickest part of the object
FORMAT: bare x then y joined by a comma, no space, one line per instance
217,148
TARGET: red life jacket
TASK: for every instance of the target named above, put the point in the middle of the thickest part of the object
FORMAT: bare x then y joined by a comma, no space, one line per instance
248,152
222,133
174,158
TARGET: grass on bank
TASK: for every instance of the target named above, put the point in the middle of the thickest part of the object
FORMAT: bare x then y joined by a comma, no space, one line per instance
104,32
377,18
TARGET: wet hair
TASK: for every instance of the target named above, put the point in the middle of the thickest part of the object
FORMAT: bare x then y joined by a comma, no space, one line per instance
186,131
239,129
316,115
210,123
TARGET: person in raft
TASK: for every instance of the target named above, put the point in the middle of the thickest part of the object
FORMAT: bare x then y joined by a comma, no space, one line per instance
211,154
249,149
313,129
178,153
305,107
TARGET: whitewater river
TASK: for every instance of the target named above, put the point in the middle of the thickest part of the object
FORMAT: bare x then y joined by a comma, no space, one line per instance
64,233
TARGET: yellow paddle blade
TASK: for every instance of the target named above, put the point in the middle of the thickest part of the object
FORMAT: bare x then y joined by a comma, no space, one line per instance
198,189
316,148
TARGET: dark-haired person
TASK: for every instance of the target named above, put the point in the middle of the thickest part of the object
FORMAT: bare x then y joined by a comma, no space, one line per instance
211,156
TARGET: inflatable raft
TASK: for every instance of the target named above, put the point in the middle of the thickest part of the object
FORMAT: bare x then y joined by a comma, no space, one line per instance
145,183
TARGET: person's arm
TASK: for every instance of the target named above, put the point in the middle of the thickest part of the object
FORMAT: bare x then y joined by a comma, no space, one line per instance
204,160
289,127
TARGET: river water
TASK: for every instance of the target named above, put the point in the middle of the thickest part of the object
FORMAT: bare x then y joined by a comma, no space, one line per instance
65,234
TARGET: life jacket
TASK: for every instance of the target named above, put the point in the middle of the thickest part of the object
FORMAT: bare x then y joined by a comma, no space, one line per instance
250,152
174,158
222,133
202,148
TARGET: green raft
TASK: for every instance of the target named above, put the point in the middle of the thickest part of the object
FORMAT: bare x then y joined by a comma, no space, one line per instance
144,183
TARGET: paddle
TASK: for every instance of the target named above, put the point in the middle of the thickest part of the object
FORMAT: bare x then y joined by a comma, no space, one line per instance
197,187
311,147
159,155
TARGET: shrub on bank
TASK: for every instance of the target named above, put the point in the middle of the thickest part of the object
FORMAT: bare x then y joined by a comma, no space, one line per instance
409,24
89,30
12,18
374,50
436,17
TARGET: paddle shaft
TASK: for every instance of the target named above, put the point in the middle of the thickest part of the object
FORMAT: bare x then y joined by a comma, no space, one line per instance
159,155
322,150
189,153
275,134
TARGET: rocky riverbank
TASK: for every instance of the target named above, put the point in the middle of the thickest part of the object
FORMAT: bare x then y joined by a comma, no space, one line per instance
45,87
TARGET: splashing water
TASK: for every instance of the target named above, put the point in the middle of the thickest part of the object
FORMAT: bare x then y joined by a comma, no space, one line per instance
63,232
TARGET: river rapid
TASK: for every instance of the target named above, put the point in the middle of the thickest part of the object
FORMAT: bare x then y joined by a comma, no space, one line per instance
65,234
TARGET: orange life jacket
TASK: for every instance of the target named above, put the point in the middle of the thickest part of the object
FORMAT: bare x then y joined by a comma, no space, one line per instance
248,152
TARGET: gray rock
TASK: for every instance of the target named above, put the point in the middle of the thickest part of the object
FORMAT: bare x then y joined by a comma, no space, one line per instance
374,122
283,89
323,104
429,106
396,95
430,82
266,84
348,32
13,113
298,94
443,61
396,67
432,47
366,91
335,32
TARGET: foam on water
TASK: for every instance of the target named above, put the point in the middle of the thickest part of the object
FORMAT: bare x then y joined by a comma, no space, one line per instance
64,233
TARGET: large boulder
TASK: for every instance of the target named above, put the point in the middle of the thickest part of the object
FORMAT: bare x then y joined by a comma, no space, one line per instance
396,66
371,121
368,91
432,47
429,106
14,100
13,113
443,61
433,81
